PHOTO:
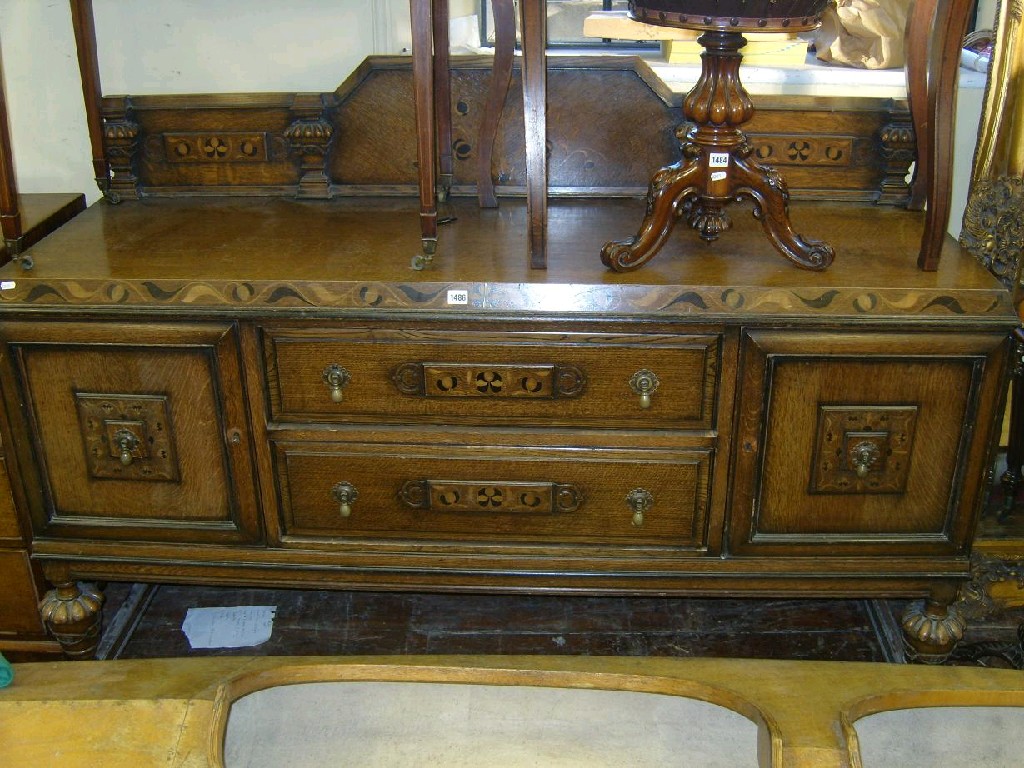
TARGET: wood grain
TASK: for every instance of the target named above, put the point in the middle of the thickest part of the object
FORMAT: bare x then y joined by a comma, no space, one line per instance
179,709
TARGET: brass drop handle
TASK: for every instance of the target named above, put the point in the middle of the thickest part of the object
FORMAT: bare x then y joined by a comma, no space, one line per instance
639,501
336,377
644,383
126,443
345,494
863,455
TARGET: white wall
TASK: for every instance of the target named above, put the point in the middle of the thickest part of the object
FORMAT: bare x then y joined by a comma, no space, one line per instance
44,98
172,46
206,46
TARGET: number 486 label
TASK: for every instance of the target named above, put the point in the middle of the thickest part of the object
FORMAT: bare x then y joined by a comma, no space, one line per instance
458,296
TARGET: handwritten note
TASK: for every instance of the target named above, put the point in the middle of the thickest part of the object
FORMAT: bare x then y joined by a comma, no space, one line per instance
232,627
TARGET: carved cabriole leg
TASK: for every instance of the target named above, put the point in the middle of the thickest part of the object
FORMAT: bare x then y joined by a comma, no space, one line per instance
717,168
667,194
933,627
72,613
771,200
311,136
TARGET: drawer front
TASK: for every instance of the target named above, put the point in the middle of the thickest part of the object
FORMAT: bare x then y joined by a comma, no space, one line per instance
862,443
608,497
143,439
620,380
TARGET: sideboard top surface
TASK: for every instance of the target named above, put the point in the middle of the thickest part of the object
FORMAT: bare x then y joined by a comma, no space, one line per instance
354,254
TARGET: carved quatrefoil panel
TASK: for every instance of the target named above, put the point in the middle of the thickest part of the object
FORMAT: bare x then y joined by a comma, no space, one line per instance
106,419
222,147
863,449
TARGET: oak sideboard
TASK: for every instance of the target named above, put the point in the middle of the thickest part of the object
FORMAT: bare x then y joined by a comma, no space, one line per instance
254,391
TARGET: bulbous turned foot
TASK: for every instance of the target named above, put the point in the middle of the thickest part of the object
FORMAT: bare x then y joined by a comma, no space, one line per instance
931,630
72,613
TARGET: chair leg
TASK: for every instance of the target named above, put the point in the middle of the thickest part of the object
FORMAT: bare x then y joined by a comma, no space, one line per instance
426,144
934,35
1011,478
534,24
442,97
501,80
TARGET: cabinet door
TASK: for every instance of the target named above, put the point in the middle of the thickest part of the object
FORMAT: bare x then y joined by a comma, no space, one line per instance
134,431
862,443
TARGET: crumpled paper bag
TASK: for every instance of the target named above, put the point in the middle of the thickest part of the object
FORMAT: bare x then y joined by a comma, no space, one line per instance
863,33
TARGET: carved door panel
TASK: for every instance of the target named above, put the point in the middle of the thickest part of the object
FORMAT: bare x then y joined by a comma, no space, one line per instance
136,432
862,443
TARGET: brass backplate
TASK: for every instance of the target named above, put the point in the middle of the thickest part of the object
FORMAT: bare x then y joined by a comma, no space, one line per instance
491,497
544,381
147,417
842,429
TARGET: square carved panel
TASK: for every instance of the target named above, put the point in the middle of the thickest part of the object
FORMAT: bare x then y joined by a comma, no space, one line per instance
863,448
127,437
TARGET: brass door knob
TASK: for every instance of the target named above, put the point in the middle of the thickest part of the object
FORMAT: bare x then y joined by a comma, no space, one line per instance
862,456
125,443
336,377
639,501
644,383
345,494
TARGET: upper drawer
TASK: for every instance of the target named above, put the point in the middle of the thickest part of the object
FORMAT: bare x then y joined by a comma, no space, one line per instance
663,381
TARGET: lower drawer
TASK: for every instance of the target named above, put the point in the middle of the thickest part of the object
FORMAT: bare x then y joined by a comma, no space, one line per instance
506,494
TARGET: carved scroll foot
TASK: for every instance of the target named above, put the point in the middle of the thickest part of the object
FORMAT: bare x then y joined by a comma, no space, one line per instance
931,630
72,613
768,190
667,198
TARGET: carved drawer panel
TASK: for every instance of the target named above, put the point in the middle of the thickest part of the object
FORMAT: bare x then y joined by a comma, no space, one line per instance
860,443
597,379
524,494
139,432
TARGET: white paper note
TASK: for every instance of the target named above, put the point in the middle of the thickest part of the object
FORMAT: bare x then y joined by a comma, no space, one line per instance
231,627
